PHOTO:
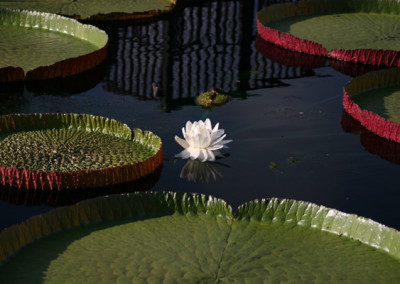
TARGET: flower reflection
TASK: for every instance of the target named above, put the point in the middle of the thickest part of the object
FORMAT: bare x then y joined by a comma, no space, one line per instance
201,141
197,171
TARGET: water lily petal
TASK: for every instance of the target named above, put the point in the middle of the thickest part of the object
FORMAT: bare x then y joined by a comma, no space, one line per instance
218,140
196,141
224,142
215,135
215,127
197,124
214,147
182,142
184,154
208,125
194,153
186,135
211,156
184,132
188,126
191,136
205,138
203,156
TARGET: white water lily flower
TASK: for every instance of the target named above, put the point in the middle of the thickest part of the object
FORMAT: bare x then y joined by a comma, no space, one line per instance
201,141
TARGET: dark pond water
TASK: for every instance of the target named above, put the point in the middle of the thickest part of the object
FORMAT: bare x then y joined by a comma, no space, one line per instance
291,138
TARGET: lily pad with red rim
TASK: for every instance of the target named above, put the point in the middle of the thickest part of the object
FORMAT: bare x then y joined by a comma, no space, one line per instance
293,58
178,237
63,151
95,9
364,31
373,99
37,45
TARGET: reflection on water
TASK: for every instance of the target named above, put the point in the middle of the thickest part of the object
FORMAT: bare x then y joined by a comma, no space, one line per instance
277,111
288,57
386,149
196,171
31,197
204,45
200,46
69,85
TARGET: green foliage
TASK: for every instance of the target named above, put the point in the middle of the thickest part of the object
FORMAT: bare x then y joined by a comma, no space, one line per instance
71,142
215,97
85,9
41,46
273,165
179,237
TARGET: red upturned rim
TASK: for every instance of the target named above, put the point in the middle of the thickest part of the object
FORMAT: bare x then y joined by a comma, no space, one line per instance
389,58
64,68
373,122
293,58
56,180
31,179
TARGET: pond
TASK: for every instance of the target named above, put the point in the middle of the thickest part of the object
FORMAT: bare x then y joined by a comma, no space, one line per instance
290,136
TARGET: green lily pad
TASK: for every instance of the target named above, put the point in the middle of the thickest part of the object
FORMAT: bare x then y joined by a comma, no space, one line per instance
94,9
374,100
383,101
345,30
365,31
175,237
73,151
41,45
214,97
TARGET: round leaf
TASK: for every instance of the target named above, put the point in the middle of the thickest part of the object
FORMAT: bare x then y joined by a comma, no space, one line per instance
174,237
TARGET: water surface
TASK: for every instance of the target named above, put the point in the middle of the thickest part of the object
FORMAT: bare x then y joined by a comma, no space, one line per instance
290,136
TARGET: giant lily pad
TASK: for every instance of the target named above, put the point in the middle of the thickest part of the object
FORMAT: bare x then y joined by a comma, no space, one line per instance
373,99
54,151
365,31
37,45
95,9
191,238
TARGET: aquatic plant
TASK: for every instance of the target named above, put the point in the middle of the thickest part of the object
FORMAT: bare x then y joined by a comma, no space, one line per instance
214,97
363,31
96,9
373,100
133,237
201,141
54,151
38,45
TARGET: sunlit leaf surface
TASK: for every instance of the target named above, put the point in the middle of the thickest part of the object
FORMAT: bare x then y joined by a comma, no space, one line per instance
175,237
345,31
67,150
88,8
30,40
